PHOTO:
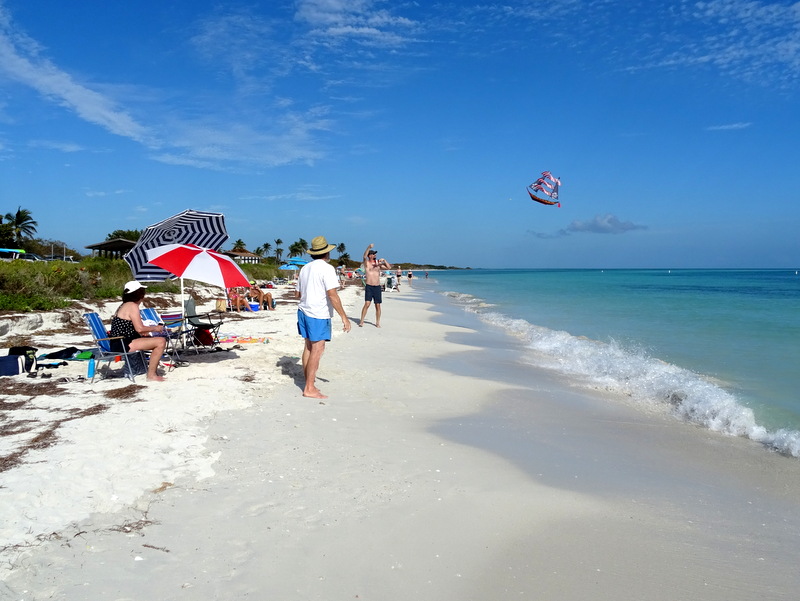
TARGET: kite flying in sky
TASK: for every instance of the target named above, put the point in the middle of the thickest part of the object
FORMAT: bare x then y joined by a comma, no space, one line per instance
547,185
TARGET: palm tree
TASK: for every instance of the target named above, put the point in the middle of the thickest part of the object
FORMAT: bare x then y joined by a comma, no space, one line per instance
265,248
22,224
278,250
341,249
239,246
295,249
303,245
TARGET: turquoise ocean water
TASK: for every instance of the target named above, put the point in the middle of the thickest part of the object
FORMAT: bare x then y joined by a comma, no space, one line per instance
720,348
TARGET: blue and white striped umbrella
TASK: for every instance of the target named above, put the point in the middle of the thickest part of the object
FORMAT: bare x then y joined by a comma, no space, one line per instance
190,227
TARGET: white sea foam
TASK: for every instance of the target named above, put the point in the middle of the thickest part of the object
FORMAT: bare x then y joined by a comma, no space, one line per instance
644,379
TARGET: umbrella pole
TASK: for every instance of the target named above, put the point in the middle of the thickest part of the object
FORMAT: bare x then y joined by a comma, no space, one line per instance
183,306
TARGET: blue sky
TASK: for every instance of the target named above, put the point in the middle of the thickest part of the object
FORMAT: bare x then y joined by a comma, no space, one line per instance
417,126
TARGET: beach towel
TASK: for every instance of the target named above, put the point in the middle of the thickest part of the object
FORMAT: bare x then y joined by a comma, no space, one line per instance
67,353
235,338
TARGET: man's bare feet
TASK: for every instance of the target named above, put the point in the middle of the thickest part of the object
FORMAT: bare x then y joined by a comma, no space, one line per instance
314,394
360,324
156,378
377,325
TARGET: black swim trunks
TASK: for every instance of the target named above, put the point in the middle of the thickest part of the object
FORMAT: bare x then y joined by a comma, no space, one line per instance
373,293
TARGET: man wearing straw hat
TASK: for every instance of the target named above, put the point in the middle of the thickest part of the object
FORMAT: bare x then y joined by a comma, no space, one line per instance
317,287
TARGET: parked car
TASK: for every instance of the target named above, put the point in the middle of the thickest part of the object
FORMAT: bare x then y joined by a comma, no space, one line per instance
59,258
31,257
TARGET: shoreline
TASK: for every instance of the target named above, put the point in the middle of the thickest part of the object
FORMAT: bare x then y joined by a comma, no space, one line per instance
436,469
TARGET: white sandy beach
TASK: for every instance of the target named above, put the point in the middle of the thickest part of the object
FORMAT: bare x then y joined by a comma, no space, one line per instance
436,470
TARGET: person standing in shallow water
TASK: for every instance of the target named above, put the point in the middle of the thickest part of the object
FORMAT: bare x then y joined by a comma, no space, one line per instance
372,283
317,289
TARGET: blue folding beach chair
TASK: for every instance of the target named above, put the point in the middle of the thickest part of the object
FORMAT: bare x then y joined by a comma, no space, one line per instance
174,334
134,362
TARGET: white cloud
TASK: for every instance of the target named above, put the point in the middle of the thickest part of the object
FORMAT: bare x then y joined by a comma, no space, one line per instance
359,21
599,224
744,39
52,145
729,126
20,61
604,224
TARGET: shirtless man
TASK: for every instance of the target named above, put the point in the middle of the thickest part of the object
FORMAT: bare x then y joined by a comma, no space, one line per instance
257,295
372,291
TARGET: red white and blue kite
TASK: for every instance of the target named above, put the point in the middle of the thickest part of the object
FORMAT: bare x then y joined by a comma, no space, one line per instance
547,185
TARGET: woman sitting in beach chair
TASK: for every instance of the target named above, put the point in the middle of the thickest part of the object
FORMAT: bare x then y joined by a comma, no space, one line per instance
260,296
132,335
237,300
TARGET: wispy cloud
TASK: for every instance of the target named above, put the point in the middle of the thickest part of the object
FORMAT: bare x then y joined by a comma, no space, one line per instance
356,21
214,143
308,193
21,61
243,45
600,224
60,146
743,39
253,120
101,193
728,127
225,140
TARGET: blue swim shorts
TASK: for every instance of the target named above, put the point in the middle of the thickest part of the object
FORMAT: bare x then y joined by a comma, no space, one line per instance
313,329
373,293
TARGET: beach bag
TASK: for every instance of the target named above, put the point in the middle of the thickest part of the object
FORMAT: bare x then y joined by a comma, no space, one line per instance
137,364
203,337
12,365
28,353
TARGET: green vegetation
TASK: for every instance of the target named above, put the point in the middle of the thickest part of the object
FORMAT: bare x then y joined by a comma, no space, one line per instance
132,235
17,230
20,226
43,286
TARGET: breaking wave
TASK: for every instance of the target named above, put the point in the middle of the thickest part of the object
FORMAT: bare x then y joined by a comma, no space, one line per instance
629,371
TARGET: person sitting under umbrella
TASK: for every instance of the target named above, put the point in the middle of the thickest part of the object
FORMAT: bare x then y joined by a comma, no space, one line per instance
238,299
263,298
127,323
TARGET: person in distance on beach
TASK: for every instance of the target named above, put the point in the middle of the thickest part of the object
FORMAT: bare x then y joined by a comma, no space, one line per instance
127,323
238,300
372,286
317,289
257,295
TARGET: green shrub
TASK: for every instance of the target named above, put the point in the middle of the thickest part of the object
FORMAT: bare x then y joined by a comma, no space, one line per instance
43,286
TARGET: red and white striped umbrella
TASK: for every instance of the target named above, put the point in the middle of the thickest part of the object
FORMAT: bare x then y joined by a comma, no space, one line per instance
191,262
189,227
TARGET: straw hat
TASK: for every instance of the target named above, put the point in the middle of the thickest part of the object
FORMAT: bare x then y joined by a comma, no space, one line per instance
320,246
